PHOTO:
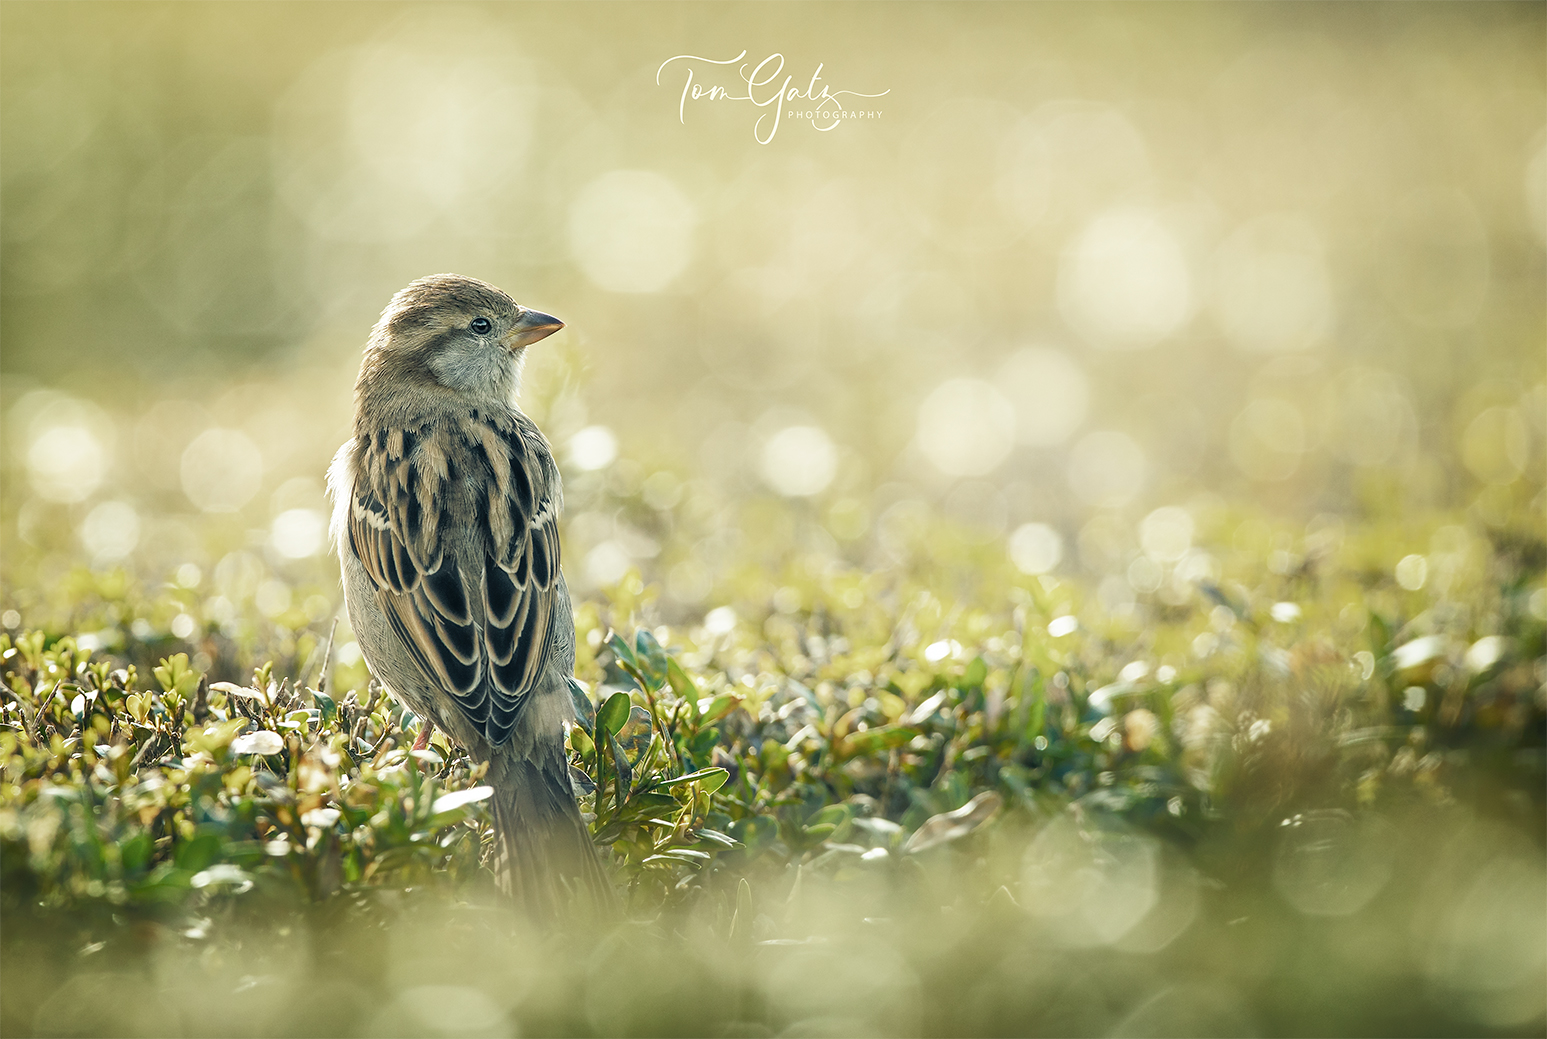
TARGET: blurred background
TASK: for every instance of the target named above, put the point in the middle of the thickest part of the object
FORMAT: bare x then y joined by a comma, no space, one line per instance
1090,273
1098,312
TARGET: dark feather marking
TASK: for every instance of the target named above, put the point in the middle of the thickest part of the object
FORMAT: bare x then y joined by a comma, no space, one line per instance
535,651
408,574
523,559
444,588
500,591
484,643
392,606
527,603
388,564
501,643
354,545
505,556
413,522
507,676
384,563
521,482
504,720
465,681
460,639
540,564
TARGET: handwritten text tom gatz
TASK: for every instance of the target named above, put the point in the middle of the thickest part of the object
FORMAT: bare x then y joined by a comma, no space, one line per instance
825,112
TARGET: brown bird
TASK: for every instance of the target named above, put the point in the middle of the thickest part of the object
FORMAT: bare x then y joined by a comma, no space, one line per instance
446,507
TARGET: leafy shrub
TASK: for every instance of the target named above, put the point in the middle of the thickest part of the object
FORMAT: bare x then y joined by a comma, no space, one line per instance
862,747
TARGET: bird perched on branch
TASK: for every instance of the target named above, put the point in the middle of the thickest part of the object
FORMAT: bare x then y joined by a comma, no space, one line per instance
446,505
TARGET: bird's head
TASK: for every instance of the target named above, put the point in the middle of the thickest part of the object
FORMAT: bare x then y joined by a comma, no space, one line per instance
454,332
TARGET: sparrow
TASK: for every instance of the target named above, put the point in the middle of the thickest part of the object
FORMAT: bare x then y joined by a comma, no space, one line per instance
446,505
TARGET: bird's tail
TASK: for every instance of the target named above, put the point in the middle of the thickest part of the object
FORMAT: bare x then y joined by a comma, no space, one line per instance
544,857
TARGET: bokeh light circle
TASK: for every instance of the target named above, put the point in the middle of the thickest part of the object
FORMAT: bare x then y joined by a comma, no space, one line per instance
111,531
66,463
799,461
594,447
298,533
1125,284
1166,534
1036,548
966,427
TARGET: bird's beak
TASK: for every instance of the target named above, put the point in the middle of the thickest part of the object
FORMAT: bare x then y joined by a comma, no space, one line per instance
530,327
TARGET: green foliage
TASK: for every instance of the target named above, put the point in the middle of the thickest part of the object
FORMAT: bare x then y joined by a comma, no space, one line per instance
733,752
904,743
125,798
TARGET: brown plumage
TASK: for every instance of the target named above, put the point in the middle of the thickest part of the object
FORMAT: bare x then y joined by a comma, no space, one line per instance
446,509
479,626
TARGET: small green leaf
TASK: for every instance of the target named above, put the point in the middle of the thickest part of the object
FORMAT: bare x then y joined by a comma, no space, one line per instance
831,823
741,919
613,714
327,707
176,676
718,708
652,657
585,711
625,773
623,651
1038,719
452,801
832,815
634,737
975,674
652,802
682,685
711,778
449,809
679,855
703,743
870,741
950,826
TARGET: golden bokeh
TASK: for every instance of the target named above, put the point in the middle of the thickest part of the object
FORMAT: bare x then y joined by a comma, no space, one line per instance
1073,265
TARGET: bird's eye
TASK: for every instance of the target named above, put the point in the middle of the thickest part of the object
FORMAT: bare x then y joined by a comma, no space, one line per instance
481,325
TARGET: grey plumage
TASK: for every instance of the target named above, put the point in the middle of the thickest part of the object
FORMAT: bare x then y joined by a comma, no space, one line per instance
446,508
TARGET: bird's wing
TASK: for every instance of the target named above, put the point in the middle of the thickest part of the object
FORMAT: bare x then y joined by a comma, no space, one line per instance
457,526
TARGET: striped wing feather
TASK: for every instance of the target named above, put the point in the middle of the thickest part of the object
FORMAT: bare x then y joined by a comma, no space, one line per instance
474,607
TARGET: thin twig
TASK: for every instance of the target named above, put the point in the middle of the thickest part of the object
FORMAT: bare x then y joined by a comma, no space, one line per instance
327,655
